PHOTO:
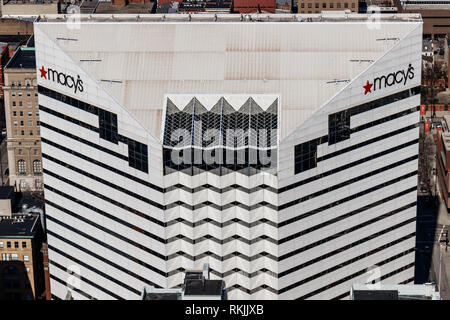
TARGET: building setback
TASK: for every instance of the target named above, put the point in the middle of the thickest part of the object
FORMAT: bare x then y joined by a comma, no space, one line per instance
312,129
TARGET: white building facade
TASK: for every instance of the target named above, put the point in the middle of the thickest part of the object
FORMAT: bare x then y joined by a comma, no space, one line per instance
335,204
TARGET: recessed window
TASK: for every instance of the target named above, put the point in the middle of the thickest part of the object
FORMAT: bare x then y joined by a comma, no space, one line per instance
24,244
20,94
8,244
16,244
13,94
22,166
37,167
30,113
305,156
14,256
1,244
13,103
21,113
30,123
26,258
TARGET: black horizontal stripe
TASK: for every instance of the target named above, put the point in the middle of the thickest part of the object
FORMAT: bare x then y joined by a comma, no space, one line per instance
347,166
84,279
354,196
65,284
103,213
86,142
346,183
350,245
370,141
101,243
390,274
346,215
354,275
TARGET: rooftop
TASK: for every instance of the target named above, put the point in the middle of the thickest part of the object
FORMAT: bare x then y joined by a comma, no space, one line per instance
250,18
24,58
18,226
395,292
131,8
6,192
201,287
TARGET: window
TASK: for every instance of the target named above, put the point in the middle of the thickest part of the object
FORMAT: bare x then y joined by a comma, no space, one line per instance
8,244
353,5
26,258
338,5
38,123
37,113
20,151
14,113
21,123
16,132
30,113
38,184
5,257
21,113
15,123
23,184
305,156
309,5
22,132
36,152
20,94
338,127
28,82
138,155
28,269
13,94
346,5
29,104
38,132
13,103
24,244
331,5
31,132
108,126
20,103
22,167
14,256
30,123
36,94
16,244
28,94
324,5
37,167
303,5
1,244
317,5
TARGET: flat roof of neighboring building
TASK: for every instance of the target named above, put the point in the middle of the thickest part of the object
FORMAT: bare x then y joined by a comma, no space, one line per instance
207,17
5,192
18,226
424,291
195,287
24,58
107,7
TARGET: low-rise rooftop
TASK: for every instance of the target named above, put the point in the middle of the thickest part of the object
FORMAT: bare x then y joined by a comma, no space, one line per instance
24,58
233,18
18,226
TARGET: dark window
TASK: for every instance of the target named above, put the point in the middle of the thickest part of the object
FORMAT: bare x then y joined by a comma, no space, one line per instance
16,244
24,244
8,244
138,155
108,126
305,156
338,127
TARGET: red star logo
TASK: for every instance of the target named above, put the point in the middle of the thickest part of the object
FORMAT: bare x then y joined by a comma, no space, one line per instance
43,72
367,87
